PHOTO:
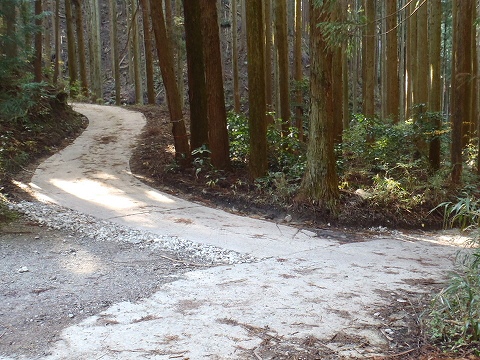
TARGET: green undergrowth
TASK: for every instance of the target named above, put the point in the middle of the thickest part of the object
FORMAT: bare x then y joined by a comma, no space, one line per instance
387,161
454,318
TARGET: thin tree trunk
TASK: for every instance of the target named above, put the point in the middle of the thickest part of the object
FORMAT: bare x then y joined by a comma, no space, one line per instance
96,52
165,58
72,59
115,55
136,54
281,42
337,80
435,81
298,69
236,90
369,60
180,53
256,85
268,60
37,62
56,64
392,81
411,58
147,39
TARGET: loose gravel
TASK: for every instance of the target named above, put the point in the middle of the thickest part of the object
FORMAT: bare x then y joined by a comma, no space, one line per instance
61,218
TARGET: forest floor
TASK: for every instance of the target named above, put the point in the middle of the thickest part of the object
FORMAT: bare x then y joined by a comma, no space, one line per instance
154,159
24,242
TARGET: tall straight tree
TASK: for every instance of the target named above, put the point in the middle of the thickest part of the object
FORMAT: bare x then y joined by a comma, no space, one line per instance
281,42
236,87
337,76
196,75
461,81
298,68
217,115
114,44
435,79
147,40
267,19
82,59
165,58
256,85
37,61
369,60
137,70
392,79
56,64
411,97
421,91
95,51
320,182
72,58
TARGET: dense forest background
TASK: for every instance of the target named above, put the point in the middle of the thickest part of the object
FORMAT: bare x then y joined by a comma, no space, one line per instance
318,101
356,111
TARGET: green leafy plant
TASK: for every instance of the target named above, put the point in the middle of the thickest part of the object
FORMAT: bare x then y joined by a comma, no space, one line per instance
239,137
465,213
454,317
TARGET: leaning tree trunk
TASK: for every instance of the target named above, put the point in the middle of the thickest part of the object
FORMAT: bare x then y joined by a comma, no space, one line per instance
165,58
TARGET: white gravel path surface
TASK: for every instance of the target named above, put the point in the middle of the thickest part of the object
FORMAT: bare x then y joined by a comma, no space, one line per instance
274,279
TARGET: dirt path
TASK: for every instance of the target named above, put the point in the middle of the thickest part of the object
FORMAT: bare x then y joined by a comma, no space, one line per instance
307,295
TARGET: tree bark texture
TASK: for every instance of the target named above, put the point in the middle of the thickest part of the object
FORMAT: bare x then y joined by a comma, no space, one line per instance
320,182
197,92
165,58
369,60
147,40
392,79
435,81
256,85
281,41
37,61
236,87
115,55
82,59
72,58
461,82
217,115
